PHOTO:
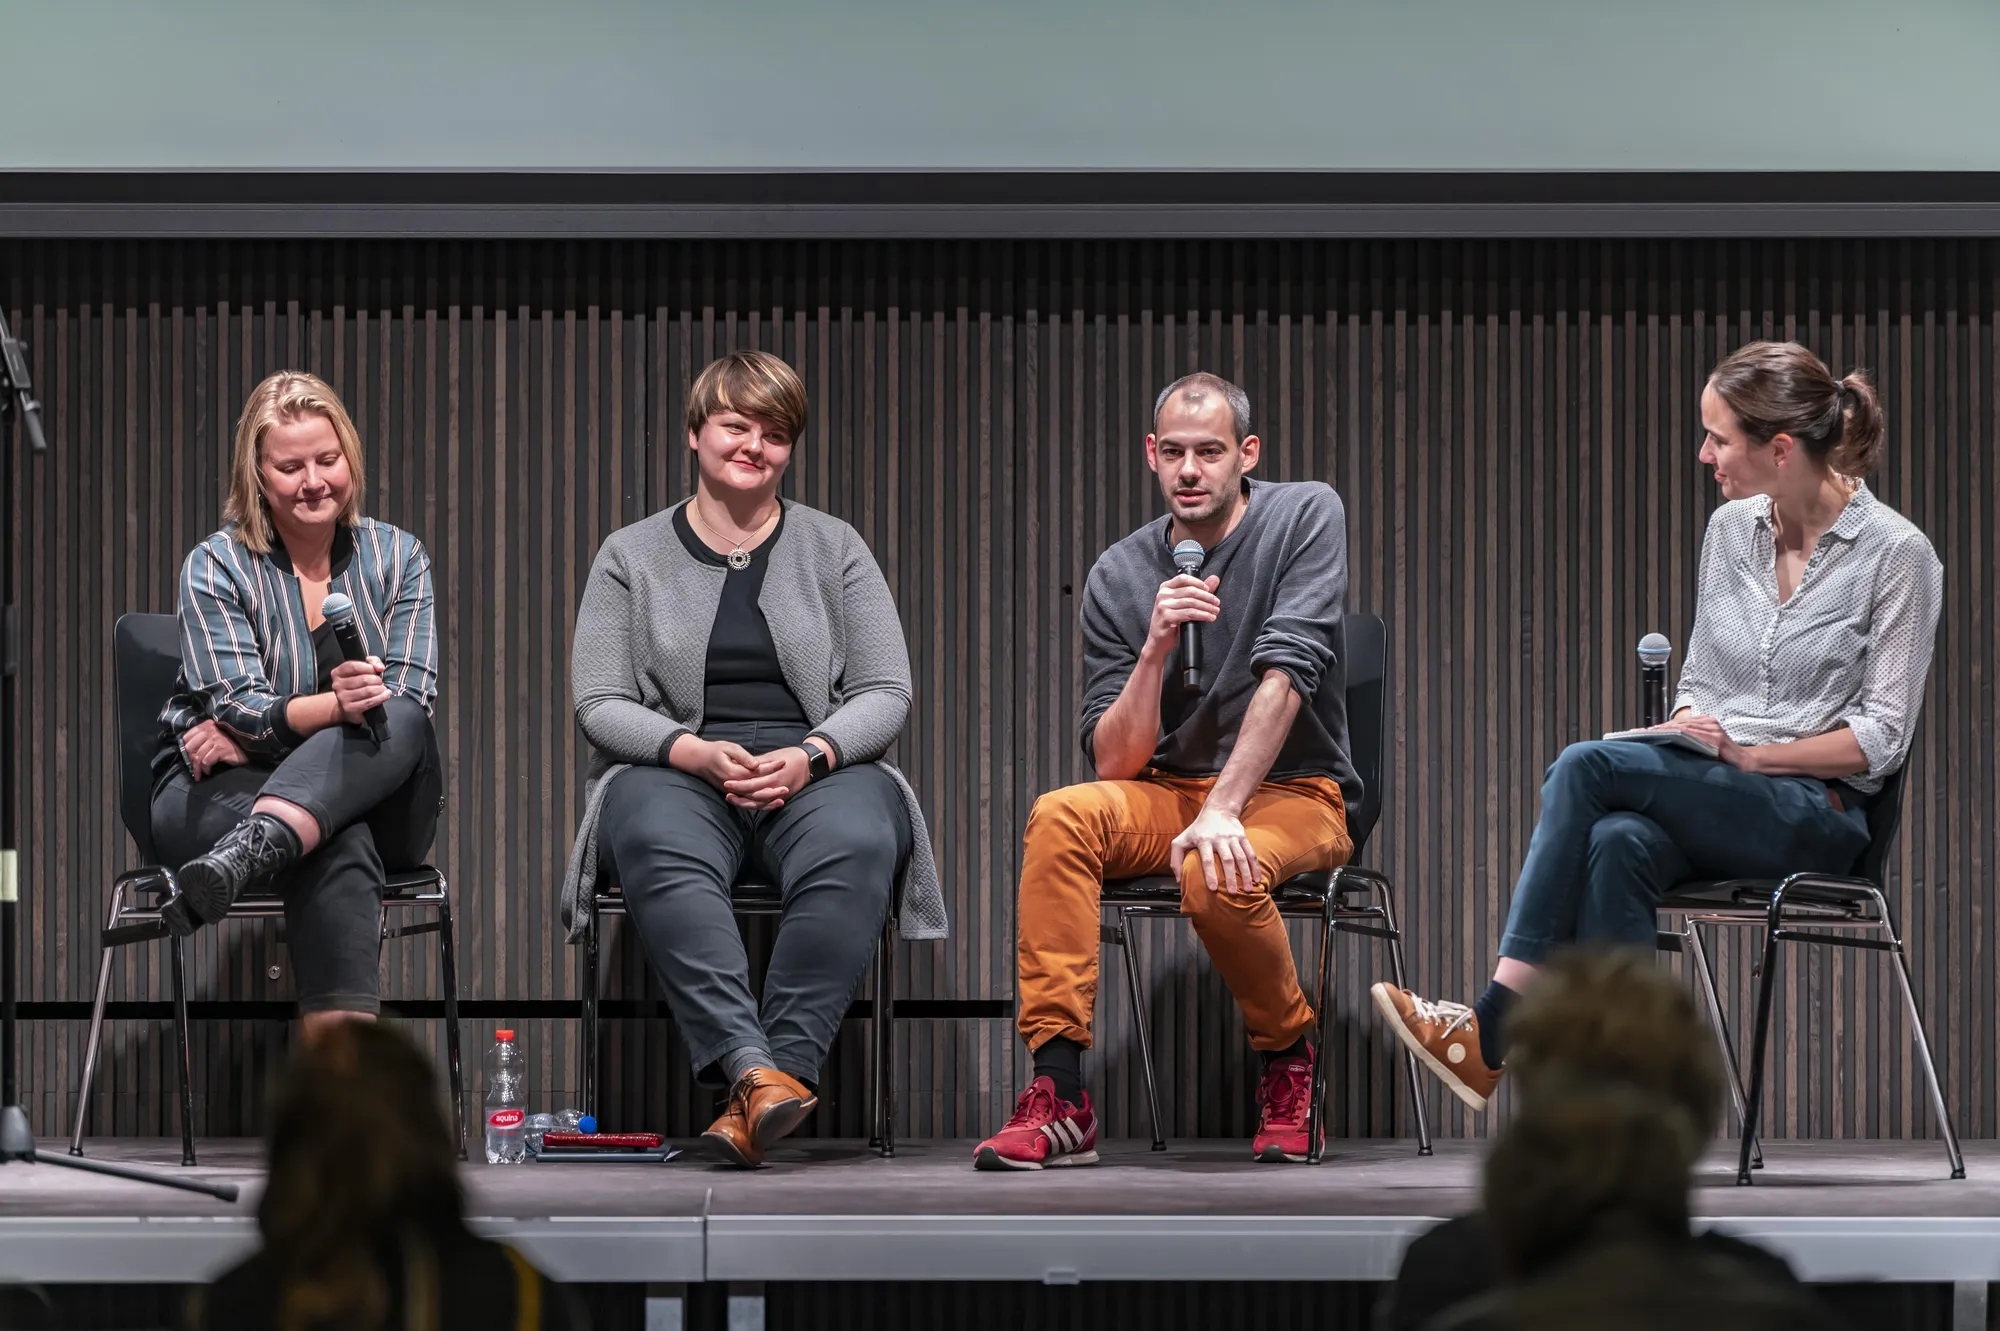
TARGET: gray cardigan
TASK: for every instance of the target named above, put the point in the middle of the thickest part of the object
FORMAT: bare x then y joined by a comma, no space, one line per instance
642,651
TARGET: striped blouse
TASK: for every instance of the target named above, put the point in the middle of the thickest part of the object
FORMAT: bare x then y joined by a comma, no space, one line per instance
246,649
1851,648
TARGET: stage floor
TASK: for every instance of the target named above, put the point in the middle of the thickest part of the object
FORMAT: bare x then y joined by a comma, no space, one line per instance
832,1211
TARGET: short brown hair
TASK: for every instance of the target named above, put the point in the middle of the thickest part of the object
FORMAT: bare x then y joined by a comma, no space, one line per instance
1781,388
1615,1017
1198,387
755,383
281,399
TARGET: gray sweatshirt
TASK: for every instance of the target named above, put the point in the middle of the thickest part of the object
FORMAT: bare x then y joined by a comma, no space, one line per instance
1283,592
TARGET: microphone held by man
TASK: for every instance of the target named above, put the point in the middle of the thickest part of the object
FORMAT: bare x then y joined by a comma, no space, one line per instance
1188,557
338,611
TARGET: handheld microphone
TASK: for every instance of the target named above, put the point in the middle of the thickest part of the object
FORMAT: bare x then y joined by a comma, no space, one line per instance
339,612
1188,557
1654,649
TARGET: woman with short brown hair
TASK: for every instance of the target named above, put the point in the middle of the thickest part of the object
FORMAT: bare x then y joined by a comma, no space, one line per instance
739,670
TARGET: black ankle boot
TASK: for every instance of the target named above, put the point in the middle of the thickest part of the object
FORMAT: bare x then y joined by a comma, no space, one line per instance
254,852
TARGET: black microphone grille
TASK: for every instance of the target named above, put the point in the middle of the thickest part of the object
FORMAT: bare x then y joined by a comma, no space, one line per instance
1188,556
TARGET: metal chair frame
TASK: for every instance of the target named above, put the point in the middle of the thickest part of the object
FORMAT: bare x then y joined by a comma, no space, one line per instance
142,641
1325,896
133,921
748,898
1800,909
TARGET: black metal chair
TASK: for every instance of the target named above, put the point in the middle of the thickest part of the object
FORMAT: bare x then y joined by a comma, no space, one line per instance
1802,909
755,898
1348,899
146,658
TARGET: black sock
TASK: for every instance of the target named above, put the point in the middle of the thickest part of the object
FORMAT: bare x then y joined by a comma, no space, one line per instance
1061,1061
1492,1008
1296,1049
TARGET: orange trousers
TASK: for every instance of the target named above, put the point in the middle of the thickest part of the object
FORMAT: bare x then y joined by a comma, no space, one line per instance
1081,835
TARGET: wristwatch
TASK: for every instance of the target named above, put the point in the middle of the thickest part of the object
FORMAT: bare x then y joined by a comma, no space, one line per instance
819,762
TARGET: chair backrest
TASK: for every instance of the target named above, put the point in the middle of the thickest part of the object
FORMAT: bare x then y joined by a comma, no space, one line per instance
1885,817
145,663
1364,649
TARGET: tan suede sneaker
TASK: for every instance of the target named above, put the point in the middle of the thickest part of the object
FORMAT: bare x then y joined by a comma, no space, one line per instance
1445,1039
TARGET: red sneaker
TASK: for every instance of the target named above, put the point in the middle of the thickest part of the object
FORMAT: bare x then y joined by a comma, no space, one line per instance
1283,1101
1045,1132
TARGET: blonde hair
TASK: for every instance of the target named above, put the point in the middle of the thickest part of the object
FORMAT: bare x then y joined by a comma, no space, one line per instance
280,400
755,383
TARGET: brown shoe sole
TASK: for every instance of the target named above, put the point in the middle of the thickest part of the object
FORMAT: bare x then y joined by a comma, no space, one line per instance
782,1119
1386,1005
724,1147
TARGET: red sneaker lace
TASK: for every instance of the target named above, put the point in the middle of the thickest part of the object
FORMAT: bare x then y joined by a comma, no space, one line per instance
1035,1107
1287,1087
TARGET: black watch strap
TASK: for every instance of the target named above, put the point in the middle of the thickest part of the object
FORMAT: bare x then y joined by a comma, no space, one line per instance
819,763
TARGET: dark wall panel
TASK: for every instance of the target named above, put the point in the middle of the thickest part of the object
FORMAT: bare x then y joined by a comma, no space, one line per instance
1513,427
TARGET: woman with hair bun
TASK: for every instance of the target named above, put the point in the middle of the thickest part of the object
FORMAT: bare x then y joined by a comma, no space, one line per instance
1814,618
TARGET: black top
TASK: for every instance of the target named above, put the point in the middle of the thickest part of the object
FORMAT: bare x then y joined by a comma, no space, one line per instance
1454,1262
743,680
326,655
479,1288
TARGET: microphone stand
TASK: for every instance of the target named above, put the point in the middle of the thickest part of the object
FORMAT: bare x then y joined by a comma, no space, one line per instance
17,1138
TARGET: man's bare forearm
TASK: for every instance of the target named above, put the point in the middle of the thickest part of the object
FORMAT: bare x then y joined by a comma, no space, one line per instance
1265,725
1129,730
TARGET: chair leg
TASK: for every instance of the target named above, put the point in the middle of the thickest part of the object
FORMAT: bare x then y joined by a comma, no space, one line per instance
1410,1072
884,1092
1691,945
1138,993
1767,975
96,1040
177,951
1923,1042
587,1038
448,977
1316,1103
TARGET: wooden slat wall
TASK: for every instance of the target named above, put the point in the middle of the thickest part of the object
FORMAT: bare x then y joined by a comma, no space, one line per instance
1512,425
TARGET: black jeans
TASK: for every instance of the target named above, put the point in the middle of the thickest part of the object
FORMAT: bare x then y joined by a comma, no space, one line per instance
834,851
377,808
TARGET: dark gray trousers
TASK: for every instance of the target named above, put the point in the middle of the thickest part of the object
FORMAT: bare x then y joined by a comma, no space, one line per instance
377,808
834,851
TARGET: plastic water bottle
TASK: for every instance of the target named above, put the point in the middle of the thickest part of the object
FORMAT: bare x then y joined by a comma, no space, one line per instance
539,1125
506,1096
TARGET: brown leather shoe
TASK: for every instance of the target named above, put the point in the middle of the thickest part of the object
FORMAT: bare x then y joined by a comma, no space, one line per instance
729,1137
777,1104
1445,1039
765,1105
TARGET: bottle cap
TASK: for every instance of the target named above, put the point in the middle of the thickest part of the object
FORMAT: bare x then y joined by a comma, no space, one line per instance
587,1124
503,1035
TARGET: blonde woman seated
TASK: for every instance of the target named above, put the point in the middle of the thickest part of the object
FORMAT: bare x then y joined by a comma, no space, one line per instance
739,669
268,776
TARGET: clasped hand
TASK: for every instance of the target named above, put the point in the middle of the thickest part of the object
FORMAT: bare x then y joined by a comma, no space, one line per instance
746,780
1228,860
357,687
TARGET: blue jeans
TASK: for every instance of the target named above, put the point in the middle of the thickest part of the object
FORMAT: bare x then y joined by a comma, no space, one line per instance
1622,822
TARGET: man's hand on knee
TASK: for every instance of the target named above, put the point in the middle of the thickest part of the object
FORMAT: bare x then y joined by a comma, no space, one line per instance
1228,860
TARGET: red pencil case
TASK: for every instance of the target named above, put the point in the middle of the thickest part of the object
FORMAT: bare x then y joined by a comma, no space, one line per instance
604,1141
